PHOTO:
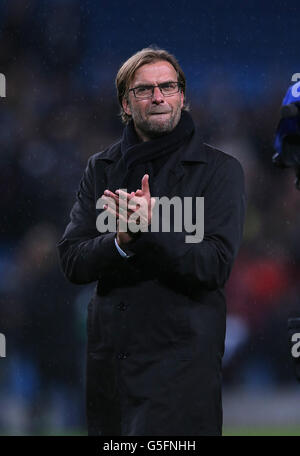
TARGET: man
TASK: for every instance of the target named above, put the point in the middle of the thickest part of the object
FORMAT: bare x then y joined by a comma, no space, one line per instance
156,322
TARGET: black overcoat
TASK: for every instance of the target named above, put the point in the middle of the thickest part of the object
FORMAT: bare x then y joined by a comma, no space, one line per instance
156,321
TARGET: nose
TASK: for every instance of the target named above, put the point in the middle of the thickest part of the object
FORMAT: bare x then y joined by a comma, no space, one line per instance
157,96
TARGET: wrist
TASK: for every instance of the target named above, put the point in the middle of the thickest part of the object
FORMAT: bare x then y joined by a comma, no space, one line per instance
123,239
127,238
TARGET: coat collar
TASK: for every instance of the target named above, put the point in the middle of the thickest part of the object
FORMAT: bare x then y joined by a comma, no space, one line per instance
195,151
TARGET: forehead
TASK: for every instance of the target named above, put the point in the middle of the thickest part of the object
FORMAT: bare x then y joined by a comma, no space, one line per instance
154,73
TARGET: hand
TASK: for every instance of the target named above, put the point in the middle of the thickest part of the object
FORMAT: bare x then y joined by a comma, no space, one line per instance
118,207
133,210
140,208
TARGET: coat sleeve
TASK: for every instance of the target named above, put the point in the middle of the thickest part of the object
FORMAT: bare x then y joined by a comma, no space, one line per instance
209,262
85,253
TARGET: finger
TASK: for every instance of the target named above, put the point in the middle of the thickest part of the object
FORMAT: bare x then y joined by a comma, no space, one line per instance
124,207
123,204
125,212
112,195
125,199
111,211
145,184
118,215
138,202
108,201
123,195
134,201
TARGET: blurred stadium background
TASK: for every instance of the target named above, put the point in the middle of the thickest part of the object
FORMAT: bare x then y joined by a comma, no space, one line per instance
60,58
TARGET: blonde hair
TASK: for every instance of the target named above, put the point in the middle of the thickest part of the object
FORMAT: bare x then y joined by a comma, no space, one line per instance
127,70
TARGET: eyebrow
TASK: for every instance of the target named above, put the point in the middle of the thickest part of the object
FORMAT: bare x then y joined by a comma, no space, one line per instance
149,84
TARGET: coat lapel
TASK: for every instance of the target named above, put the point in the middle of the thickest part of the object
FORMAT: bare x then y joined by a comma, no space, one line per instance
114,169
168,178
175,169
115,173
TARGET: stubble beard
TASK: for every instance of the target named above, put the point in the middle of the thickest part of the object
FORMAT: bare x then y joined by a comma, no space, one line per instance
151,128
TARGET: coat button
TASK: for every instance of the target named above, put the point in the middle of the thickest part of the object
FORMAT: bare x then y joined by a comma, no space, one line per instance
123,355
122,306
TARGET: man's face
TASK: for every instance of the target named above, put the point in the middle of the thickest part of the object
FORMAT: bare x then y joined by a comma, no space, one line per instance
159,114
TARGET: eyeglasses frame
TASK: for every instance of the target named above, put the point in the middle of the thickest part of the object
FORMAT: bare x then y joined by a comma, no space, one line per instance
179,87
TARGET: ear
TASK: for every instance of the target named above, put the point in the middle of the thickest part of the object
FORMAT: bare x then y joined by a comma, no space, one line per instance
126,106
181,99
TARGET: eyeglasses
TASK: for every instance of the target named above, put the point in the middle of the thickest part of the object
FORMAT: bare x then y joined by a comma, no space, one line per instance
146,91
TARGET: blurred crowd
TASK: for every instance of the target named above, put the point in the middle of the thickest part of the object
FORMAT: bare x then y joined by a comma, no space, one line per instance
51,122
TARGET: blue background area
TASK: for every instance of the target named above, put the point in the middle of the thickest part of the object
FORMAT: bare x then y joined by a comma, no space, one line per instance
251,42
